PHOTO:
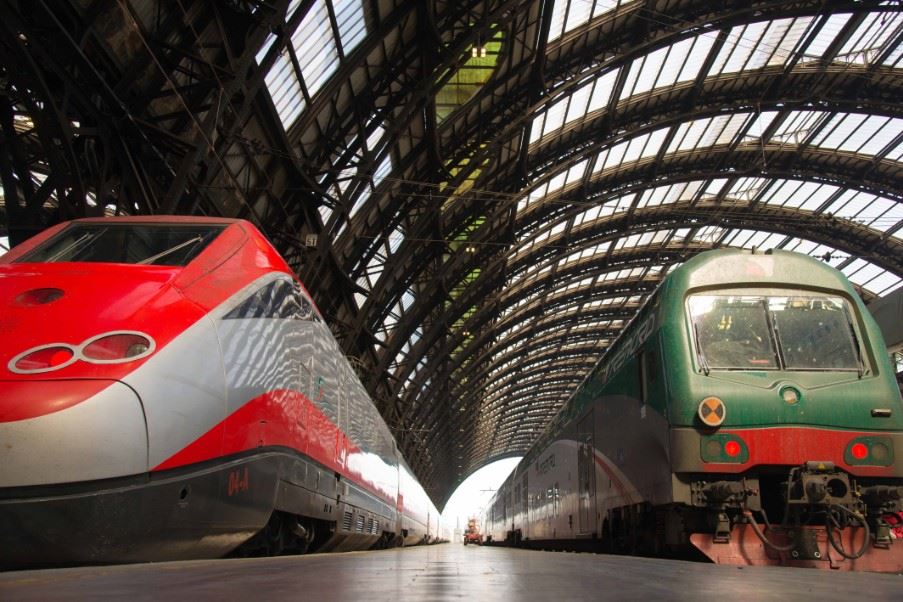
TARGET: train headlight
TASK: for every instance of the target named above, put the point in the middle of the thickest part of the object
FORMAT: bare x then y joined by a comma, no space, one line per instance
790,395
43,359
119,346
724,448
711,412
870,451
108,348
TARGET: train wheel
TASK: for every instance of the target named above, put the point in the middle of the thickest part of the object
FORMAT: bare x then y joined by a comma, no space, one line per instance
274,535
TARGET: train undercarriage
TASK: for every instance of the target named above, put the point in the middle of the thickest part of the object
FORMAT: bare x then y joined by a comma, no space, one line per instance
814,516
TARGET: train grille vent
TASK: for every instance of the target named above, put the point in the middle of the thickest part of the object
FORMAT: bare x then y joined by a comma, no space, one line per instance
359,526
375,527
370,525
346,522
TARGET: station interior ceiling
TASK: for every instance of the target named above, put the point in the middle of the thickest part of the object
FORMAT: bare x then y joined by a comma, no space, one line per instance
478,194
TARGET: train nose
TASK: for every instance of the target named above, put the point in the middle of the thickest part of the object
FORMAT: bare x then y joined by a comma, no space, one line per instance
67,431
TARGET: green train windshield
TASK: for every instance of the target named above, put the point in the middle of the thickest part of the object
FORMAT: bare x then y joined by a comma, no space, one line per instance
759,332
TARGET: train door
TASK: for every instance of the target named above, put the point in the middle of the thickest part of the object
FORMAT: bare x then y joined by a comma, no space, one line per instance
586,476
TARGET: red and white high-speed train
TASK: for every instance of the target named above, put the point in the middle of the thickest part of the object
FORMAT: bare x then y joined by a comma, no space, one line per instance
168,390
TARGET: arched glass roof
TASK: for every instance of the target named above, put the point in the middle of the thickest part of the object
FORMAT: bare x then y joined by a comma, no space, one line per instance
480,195
597,147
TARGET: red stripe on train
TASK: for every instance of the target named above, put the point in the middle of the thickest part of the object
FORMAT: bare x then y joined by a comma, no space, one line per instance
793,446
288,419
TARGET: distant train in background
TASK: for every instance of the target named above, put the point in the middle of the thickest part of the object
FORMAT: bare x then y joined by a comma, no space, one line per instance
168,390
750,410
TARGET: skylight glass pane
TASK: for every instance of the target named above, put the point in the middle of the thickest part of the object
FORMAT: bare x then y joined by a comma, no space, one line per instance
555,116
559,12
384,168
866,134
267,44
578,103
647,70
285,89
315,47
694,56
349,14
604,6
870,37
602,90
578,13
741,43
826,35
797,126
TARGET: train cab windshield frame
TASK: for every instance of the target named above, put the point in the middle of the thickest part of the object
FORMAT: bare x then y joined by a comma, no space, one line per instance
796,330
173,245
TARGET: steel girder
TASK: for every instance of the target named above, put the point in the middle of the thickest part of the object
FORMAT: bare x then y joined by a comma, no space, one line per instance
472,335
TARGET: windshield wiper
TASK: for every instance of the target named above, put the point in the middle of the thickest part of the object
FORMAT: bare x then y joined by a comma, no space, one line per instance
85,239
860,363
702,360
775,336
179,246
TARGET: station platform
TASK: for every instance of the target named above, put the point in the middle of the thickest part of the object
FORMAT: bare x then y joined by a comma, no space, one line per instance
444,572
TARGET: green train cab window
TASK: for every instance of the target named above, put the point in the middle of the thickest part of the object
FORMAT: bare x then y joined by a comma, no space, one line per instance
773,332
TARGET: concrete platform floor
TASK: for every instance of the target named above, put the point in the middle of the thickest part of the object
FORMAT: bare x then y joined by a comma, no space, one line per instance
445,572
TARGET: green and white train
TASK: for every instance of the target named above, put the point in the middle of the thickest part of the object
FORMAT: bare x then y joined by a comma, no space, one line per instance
749,411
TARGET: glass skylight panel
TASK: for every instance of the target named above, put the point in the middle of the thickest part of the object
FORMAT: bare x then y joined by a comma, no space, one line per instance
285,89
610,157
826,36
349,15
667,66
556,182
555,116
797,126
709,234
871,36
808,196
602,89
574,174
578,103
315,47
382,170
747,188
587,216
536,127
895,59
325,213
882,214
395,240
267,44
861,272
761,123
742,41
865,134
707,132
362,197
570,14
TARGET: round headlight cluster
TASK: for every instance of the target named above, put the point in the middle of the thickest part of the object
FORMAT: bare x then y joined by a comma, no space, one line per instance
114,347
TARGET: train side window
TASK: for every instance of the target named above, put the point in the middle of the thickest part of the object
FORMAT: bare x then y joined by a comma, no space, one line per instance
306,310
254,306
275,300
